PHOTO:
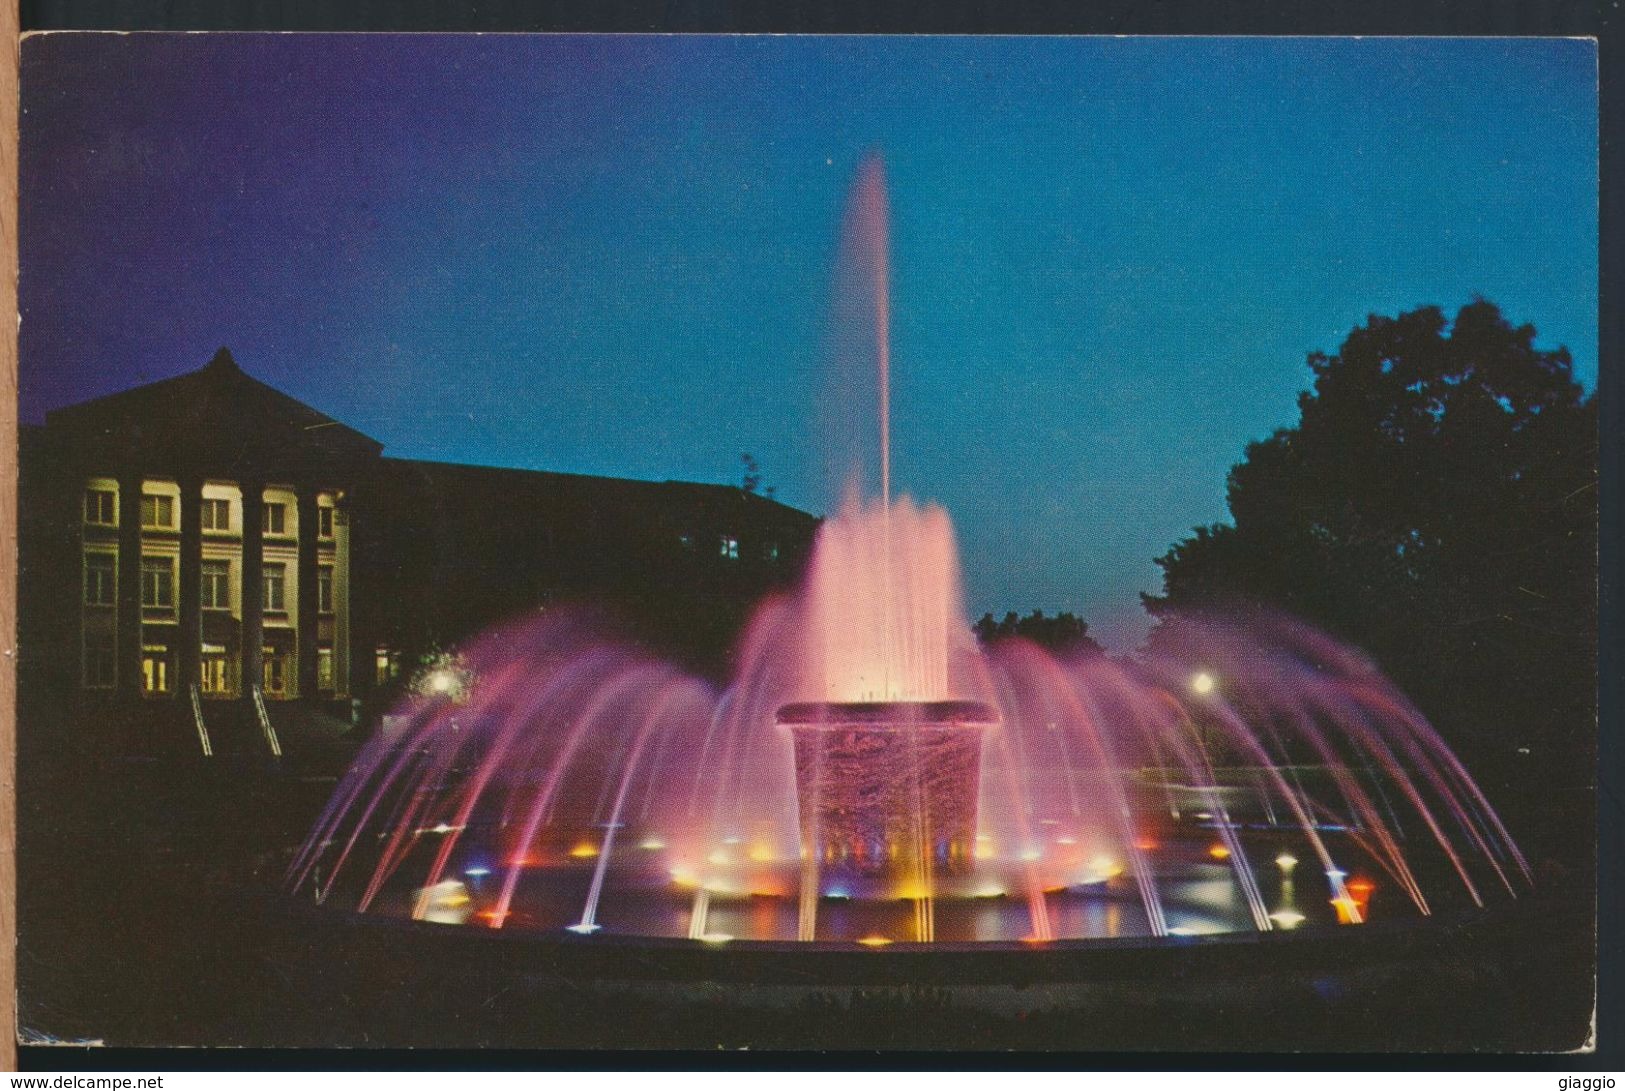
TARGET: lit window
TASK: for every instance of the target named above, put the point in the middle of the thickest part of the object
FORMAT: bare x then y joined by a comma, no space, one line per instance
730,548
772,551
324,522
101,666
324,589
100,507
158,512
276,587
275,672
155,669
216,585
324,668
101,579
276,519
216,514
387,664
158,582
216,675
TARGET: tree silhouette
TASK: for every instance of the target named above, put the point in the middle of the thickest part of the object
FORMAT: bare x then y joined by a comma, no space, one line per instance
1063,632
751,478
1436,504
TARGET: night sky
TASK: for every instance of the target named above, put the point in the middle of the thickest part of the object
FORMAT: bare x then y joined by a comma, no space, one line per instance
614,255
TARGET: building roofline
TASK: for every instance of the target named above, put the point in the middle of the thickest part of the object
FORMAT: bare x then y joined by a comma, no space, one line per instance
668,485
222,367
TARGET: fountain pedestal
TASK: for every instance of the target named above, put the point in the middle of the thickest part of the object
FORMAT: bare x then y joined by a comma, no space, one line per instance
888,788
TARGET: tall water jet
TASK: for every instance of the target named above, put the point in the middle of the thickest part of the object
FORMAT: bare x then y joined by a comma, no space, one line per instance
888,764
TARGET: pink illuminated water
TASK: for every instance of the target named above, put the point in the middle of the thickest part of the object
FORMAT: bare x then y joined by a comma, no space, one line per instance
882,604
1252,774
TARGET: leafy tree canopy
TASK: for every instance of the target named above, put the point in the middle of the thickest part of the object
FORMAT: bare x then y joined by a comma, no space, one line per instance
1063,632
1436,504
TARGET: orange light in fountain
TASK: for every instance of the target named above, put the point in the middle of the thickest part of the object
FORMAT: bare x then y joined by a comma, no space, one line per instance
1348,910
763,854
585,850
1219,852
875,941
1145,844
524,861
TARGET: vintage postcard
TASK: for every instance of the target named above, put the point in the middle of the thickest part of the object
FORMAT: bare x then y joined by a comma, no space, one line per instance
620,541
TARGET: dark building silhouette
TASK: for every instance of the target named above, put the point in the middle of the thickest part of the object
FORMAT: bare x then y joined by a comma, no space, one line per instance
143,603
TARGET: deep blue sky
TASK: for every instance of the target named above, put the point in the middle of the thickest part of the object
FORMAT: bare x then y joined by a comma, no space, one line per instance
613,255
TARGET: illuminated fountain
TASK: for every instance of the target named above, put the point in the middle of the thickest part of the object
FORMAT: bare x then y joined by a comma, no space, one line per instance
871,776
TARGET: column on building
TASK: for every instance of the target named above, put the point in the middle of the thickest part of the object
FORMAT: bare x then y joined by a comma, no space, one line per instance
190,597
129,585
253,589
308,620
341,594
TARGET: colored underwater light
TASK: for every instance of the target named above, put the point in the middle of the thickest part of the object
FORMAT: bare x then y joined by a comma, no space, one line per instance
652,844
1286,861
1219,852
1287,918
584,851
875,941
1202,683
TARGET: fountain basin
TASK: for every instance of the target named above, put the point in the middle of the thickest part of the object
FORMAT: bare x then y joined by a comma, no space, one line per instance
888,788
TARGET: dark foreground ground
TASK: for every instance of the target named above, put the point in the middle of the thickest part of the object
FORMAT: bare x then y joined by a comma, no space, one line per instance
144,920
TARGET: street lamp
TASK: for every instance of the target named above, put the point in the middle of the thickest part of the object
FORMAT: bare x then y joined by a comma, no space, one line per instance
1203,684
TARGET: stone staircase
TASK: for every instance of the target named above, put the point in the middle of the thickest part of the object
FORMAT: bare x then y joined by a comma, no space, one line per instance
292,737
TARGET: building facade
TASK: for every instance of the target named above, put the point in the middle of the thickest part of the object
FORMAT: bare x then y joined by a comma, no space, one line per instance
209,539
